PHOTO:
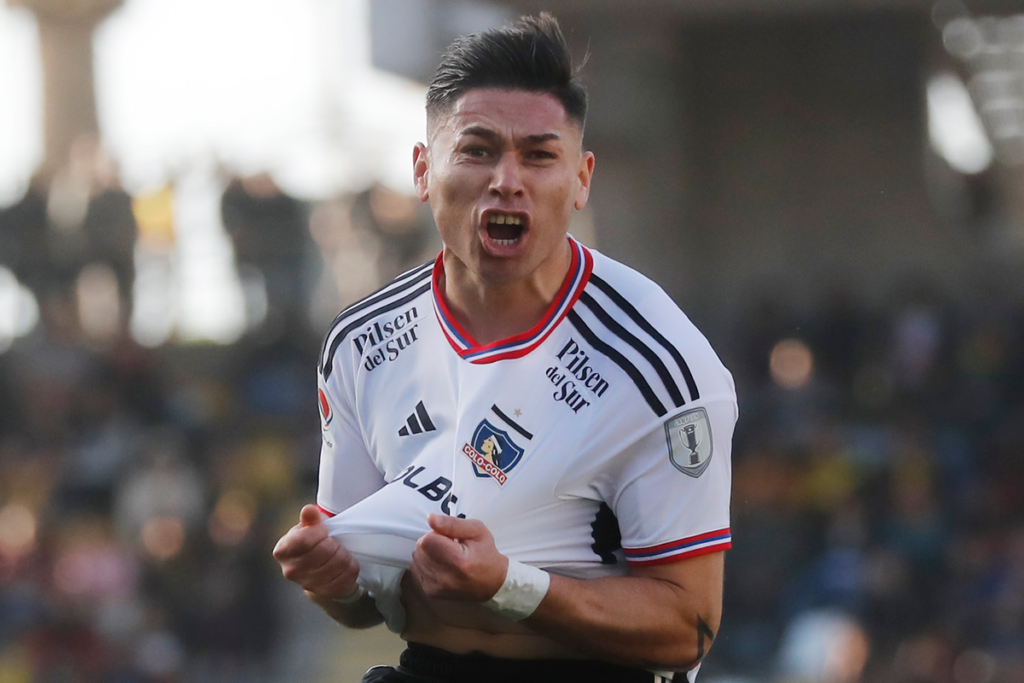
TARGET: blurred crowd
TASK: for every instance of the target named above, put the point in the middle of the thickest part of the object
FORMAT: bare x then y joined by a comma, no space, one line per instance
878,488
878,492
142,487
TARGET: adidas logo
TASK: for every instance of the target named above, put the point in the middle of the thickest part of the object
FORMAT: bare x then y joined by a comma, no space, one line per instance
418,422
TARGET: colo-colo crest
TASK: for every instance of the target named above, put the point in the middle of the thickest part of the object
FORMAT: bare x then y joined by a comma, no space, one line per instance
492,451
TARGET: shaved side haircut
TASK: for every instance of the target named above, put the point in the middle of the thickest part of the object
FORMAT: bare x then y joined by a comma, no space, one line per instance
530,55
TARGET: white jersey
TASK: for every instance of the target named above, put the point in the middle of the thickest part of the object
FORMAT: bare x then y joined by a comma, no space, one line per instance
599,439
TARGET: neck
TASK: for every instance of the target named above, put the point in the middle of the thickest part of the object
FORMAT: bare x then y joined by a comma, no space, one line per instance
495,310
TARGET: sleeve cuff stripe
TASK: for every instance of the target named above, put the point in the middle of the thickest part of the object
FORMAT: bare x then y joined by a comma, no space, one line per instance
326,511
682,555
721,535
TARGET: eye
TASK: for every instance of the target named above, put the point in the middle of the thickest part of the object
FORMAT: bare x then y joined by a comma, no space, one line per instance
475,151
540,154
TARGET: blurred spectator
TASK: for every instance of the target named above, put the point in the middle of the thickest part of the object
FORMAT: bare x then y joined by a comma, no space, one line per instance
349,256
403,226
268,230
80,217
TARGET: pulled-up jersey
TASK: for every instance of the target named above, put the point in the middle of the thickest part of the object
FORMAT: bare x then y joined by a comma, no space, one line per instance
596,440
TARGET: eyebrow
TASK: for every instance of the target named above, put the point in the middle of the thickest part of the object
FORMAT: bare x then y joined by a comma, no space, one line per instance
488,134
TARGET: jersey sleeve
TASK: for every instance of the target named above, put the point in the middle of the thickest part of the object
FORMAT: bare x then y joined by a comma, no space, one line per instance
660,456
347,472
673,492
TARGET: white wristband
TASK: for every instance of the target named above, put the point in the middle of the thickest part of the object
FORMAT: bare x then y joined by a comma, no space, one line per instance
350,599
522,591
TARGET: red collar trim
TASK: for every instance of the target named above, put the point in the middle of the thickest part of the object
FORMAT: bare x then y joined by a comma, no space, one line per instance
519,345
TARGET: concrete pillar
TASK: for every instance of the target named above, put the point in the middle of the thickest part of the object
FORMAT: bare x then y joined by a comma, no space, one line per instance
65,38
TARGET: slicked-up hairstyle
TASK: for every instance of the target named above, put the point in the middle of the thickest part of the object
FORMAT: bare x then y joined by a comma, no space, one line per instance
530,55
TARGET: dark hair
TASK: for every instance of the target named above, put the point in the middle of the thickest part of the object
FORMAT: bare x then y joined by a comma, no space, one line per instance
529,55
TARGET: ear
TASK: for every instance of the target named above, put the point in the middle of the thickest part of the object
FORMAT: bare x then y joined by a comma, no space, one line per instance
421,170
584,176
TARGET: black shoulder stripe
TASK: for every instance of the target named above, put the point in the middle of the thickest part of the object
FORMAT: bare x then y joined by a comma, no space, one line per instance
649,329
340,337
390,289
619,360
641,348
413,276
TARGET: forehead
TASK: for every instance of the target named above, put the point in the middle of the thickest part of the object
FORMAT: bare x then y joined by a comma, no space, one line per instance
512,113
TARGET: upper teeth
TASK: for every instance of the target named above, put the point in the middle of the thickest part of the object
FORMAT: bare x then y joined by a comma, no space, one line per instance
501,219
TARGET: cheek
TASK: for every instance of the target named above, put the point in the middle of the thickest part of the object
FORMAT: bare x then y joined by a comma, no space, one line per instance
560,197
452,206
454,188
454,197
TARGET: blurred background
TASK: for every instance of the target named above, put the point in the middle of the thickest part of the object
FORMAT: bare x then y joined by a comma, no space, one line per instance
190,190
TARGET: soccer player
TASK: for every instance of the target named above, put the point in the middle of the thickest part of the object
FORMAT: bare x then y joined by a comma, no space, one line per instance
526,450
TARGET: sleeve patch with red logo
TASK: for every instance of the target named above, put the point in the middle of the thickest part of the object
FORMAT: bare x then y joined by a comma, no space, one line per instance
326,414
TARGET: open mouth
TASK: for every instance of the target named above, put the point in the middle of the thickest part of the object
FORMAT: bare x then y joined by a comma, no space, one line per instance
505,229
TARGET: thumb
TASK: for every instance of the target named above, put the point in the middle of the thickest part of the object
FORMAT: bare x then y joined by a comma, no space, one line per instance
454,527
310,516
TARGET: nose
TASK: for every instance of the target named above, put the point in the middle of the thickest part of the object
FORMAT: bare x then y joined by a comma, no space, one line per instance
507,179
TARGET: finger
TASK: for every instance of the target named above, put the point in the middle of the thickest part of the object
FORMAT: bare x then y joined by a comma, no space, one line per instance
448,569
310,516
299,540
440,549
427,572
321,566
320,558
453,527
333,579
340,586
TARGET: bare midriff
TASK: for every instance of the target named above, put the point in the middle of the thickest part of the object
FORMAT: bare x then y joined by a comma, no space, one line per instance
464,627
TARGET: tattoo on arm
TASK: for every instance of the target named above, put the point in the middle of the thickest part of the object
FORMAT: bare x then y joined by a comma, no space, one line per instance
704,632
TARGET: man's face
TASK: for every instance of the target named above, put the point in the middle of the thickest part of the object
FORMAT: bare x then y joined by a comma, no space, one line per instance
503,172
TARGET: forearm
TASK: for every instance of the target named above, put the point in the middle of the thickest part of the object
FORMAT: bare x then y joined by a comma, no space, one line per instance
660,617
640,620
359,614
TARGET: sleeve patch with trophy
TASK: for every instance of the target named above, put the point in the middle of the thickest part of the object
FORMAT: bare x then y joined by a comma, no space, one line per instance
689,441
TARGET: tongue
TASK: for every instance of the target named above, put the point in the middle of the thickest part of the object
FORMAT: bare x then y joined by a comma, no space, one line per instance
505,231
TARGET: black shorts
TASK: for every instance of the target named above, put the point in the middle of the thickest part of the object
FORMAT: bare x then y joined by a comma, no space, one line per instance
425,664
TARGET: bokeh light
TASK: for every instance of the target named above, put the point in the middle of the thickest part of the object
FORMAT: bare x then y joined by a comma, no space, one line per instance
19,311
791,364
21,116
17,530
94,567
99,304
163,537
954,127
232,517
823,646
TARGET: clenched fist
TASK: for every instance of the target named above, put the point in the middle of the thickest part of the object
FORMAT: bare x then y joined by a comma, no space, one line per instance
457,560
316,561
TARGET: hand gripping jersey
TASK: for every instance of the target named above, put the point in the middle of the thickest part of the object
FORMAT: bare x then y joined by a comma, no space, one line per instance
597,440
